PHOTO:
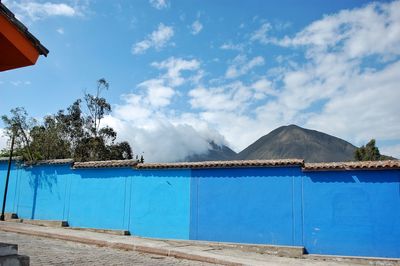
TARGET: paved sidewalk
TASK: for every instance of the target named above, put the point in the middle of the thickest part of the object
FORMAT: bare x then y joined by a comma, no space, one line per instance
178,249
47,251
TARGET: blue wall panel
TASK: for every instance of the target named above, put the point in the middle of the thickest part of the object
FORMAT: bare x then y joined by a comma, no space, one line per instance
25,194
252,205
98,197
11,203
160,204
352,213
43,189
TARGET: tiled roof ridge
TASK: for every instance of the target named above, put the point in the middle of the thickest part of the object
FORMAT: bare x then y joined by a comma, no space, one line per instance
223,164
108,163
54,161
331,166
359,165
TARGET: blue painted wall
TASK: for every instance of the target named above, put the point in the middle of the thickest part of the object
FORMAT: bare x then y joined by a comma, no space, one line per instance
11,203
41,192
160,204
97,198
147,203
339,212
352,213
254,205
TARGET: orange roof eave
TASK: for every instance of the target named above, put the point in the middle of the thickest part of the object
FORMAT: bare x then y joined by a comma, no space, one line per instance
18,47
16,50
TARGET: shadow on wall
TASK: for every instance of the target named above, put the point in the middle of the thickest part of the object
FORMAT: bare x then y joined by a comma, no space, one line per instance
43,178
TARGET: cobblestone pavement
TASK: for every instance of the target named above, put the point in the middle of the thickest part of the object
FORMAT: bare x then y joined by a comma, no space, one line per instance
44,251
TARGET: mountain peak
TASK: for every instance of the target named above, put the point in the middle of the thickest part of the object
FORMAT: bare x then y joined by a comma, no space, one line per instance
293,141
286,142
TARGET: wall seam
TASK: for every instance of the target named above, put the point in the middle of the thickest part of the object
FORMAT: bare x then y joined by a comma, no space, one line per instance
69,197
15,192
65,196
302,210
125,195
130,203
293,215
197,208
19,192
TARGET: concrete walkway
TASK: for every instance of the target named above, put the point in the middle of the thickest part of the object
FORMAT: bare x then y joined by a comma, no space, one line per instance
191,250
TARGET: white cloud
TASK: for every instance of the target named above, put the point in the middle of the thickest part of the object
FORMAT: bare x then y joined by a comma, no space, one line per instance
262,88
241,65
18,83
158,94
196,27
175,67
160,138
159,4
220,98
373,29
366,107
60,31
135,108
157,39
234,96
234,47
33,10
260,35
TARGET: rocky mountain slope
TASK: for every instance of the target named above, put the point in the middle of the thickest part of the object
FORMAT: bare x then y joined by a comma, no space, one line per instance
296,142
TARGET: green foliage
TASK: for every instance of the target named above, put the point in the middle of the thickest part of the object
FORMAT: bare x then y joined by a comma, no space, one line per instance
71,133
19,124
369,152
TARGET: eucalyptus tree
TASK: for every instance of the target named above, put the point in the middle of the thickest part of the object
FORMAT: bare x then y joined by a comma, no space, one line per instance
75,133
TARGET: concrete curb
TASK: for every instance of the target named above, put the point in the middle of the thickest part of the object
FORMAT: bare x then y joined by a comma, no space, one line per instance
274,250
353,259
49,223
13,217
10,215
140,248
104,231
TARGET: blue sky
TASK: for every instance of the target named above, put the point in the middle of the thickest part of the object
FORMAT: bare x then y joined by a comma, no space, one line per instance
183,73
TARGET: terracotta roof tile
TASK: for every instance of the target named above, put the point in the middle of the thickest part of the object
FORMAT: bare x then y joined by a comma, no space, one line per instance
335,166
111,163
366,165
57,161
51,162
223,164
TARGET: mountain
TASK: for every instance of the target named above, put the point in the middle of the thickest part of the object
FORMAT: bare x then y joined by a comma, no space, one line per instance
216,153
295,142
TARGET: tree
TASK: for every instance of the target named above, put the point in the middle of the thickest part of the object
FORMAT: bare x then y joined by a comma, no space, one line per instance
97,107
369,152
20,125
70,133
49,141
